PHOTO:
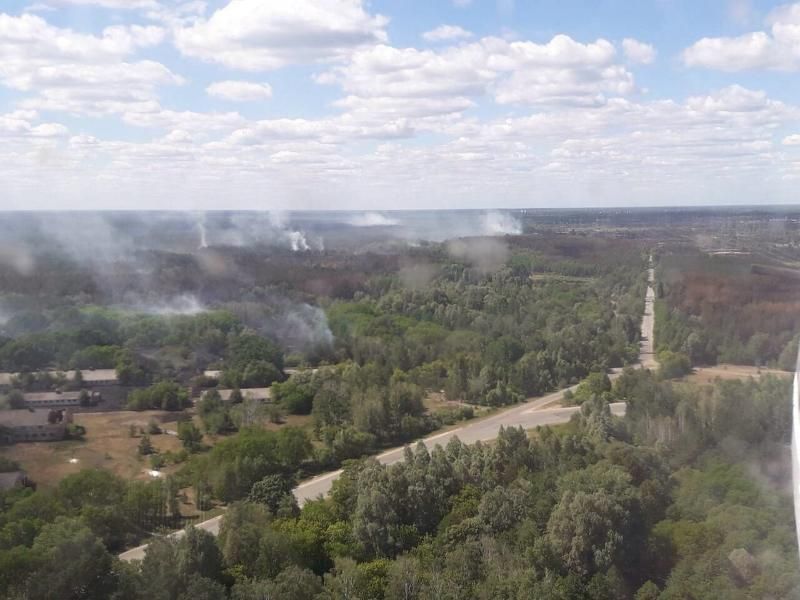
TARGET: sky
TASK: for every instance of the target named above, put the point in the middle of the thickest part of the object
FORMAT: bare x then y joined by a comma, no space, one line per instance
397,104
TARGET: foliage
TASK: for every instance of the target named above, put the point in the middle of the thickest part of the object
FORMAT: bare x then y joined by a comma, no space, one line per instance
164,395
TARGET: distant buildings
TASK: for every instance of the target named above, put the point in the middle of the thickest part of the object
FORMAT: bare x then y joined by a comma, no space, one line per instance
57,399
260,394
12,480
27,425
91,377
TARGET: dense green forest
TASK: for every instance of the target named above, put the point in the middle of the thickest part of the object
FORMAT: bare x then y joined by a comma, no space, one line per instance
718,309
488,322
684,497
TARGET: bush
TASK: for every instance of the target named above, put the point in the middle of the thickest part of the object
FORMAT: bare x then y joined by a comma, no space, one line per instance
75,432
145,446
673,364
164,395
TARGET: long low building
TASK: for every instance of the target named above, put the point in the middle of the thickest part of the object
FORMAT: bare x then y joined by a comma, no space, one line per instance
91,377
57,399
260,394
26,425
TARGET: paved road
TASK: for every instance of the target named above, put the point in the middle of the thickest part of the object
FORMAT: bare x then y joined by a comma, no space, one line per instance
524,415
646,355
528,415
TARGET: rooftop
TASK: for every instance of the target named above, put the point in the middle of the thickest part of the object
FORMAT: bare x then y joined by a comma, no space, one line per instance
24,417
89,375
45,396
12,479
251,393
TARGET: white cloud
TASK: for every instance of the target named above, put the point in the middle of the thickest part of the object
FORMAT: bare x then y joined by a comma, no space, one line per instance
21,124
29,38
418,82
116,4
638,52
445,33
778,49
254,35
399,128
240,91
561,71
76,72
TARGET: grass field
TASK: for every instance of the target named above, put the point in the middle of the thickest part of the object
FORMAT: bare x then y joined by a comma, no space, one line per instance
706,375
107,445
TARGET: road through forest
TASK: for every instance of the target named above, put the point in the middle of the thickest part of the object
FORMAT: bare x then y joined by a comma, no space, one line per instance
530,414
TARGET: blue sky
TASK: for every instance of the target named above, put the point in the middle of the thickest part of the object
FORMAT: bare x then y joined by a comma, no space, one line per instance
292,104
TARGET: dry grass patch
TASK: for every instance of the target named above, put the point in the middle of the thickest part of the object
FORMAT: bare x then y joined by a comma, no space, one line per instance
107,445
707,375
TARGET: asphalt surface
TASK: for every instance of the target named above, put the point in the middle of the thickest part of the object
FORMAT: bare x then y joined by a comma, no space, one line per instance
528,415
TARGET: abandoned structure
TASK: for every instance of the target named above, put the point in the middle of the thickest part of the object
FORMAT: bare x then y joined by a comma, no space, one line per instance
28,425
58,399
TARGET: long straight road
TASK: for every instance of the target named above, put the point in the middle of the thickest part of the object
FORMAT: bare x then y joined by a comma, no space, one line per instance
530,414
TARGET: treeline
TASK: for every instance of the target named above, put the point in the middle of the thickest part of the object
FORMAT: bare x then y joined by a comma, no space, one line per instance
495,338
716,309
85,517
490,338
659,505
143,349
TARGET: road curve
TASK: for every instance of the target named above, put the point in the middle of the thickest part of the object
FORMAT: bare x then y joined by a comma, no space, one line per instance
528,415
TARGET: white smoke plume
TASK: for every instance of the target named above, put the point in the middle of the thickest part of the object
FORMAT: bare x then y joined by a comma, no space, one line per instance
298,242
372,219
484,254
497,223
273,228
201,226
18,258
306,326
184,304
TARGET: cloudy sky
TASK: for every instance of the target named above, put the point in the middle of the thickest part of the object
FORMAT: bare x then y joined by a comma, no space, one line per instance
381,104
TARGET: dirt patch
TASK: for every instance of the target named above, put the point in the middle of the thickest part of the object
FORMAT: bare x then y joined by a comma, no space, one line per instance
107,445
706,375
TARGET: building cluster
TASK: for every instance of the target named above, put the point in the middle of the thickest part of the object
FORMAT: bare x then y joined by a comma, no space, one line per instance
47,414
34,425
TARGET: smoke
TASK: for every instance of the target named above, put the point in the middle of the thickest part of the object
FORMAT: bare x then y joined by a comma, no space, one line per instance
298,242
296,326
184,304
417,276
5,315
18,258
252,229
372,219
201,225
87,238
305,327
433,226
485,254
497,223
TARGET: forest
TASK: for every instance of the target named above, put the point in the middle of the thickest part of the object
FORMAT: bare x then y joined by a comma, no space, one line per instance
718,308
684,497
485,321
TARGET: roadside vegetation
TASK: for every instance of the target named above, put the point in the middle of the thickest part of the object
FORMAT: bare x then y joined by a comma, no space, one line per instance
663,503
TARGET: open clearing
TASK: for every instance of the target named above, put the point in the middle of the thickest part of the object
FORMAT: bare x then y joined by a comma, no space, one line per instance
107,445
706,375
